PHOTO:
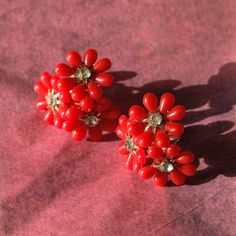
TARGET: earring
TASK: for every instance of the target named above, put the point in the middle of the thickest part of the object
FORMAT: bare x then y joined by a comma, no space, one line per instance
149,140
73,98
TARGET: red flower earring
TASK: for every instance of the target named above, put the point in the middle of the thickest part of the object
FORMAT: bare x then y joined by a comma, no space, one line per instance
149,139
73,98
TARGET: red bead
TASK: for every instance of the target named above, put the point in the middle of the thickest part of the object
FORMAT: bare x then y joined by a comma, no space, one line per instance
188,169
155,153
174,129
40,88
146,139
147,172
129,162
73,113
176,113
121,148
86,104
185,158
46,80
162,139
104,80
173,150
102,65
177,177
64,96
135,129
150,102
54,81
79,133
74,59
70,125
166,102
58,121
95,92
120,132
49,117
64,70
112,113
62,110
95,134
122,120
140,156
90,57
136,167
66,83
108,125
78,93
103,105
161,178
41,104
137,112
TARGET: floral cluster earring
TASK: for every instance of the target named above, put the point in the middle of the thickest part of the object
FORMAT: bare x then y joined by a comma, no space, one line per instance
73,98
149,140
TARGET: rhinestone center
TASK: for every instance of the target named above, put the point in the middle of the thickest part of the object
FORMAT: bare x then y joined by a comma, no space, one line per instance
91,121
129,144
52,100
154,120
166,167
83,74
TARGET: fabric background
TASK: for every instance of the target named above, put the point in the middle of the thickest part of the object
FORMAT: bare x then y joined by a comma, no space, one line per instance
51,185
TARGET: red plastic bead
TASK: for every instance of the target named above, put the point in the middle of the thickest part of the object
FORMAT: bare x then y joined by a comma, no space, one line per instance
65,96
147,172
41,104
86,104
140,156
174,129
90,57
162,139
79,133
102,65
136,129
78,93
137,112
129,162
70,125
150,102
40,88
173,150
161,178
64,70
46,80
166,102
177,177
73,113
176,113
74,59
155,153
49,117
185,158
146,139
121,148
95,92
188,170
104,79
66,83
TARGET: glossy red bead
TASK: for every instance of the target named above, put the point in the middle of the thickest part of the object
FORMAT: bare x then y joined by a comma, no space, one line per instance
41,104
161,178
129,162
104,79
54,81
185,158
66,83
136,167
102,65
136,129
147,172
95,91
174,129
120,132
73,113
188,170
162,139
121,148
74,59
49,117
167,101
79,133
140,156
155,153
112,113
46,80
70,125
177,178
150,102
173,150
137,112
90,57
58,121
86,104
64,70
122,120
146,139
103,105
176,113
62,110
65,96
78,93
40,89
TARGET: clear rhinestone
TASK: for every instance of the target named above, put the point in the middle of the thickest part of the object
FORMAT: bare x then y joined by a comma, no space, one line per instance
129,145
51,99
91,121
83,73
154,120
166,167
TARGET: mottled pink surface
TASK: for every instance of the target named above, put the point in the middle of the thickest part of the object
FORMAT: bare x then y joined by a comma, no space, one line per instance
51,185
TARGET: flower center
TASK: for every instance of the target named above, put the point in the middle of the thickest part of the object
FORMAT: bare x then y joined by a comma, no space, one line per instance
52,99
154,120
83,74
91,121
129,144
166,167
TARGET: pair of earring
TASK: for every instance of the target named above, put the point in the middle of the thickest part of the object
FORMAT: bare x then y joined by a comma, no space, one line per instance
73,100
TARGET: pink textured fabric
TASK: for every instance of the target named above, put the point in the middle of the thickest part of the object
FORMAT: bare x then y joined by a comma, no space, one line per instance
51,185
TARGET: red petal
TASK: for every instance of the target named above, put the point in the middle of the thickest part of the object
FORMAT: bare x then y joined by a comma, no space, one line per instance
73,113
41,104
150,102
49,117
86,104
173,150
78,93
95,92
104,80
147,172
176,113
64,96
188,169
46,80
161,178
174,129
64,70
166,102
137,112
177,178
90,57
146,139
54,81
136,129
155,153
58,121
40,88
79,133
129,162
162,139
66,83
120,132
185,158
